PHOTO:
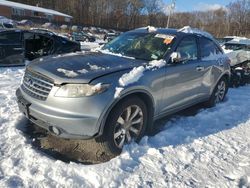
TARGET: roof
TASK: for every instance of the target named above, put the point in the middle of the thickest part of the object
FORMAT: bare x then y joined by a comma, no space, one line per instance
169,31
156,30
32,8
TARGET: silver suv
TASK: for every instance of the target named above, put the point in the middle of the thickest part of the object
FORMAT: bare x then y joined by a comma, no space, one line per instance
115,93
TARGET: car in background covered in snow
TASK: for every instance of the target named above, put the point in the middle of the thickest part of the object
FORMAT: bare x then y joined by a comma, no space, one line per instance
238,51
110,36
6,23
17,46
115,93
81,37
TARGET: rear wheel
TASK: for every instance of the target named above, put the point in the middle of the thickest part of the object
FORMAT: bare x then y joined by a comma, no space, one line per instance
219,93
126,122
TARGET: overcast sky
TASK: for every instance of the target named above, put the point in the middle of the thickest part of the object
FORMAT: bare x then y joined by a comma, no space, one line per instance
190,5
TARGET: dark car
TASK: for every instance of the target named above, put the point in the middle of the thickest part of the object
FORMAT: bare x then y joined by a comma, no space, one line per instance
115,93
16,46
82,37
110,36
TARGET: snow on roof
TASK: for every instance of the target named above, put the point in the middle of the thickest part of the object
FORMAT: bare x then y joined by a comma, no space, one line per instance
33,8
234,37
244,41
188,29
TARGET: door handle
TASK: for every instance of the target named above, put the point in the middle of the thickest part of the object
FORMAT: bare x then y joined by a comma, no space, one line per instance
200,68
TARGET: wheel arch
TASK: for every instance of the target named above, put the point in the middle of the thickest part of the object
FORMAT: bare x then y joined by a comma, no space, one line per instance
226,75
146,97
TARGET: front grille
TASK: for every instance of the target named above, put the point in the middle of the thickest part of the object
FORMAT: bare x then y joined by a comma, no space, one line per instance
36,85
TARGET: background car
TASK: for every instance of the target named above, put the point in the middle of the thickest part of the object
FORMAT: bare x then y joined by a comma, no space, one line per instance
114,94
82,37
16,46
6,23
110,36
238,50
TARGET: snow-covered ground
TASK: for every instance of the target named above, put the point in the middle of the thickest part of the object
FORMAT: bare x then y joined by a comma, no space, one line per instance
87,46
209,149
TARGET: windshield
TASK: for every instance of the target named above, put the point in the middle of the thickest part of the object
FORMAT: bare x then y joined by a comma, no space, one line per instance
145,46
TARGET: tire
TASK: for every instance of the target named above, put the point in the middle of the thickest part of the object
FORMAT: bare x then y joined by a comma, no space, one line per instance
219,93
117,131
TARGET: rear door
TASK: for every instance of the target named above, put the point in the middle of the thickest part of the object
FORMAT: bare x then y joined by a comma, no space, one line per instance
183,79
11,49
212,60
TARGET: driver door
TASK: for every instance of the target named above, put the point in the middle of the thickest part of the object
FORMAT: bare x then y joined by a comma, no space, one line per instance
183,79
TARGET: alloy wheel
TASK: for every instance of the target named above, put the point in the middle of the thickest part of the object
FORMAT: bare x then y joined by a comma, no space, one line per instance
128,126
221,91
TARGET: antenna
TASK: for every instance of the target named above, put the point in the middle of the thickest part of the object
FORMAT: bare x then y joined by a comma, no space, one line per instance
171,8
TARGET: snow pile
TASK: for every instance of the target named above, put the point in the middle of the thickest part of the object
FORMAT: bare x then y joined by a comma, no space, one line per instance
188,29
136,73
89,46
68,73
118,91
226,51
95,67
133,76
82,71
151,29
208,149
106,51
156,64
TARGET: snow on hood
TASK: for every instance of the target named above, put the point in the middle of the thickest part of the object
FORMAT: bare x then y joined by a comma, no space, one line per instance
83,67
136,73
188,29
112,53
68,73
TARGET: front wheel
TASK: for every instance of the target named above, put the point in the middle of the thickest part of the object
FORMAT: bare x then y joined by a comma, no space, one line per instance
219,93
126,122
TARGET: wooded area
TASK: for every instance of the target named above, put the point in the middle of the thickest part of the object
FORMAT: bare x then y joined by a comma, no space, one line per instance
129,14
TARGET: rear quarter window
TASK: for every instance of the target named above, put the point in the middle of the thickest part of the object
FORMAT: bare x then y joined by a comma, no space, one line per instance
208,48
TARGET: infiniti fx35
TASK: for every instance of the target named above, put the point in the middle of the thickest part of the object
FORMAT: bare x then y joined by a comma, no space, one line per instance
114,94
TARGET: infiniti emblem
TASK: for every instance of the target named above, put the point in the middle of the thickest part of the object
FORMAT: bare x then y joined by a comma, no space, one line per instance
29,81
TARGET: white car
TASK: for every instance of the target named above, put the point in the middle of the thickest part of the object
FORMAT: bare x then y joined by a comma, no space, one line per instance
6,23
238,51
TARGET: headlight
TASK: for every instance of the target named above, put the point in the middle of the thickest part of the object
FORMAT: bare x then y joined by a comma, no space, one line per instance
80,90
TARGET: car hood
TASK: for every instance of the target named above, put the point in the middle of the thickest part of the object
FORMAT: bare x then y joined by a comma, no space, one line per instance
81,67
238,56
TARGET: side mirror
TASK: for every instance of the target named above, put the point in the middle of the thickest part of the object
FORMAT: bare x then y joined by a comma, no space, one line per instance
176,57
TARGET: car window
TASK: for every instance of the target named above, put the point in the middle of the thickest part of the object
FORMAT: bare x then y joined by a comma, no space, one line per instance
144,46
10,37
188,48
208,47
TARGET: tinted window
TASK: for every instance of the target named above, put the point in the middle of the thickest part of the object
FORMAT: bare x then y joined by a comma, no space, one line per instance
188,48
10,37
208,47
